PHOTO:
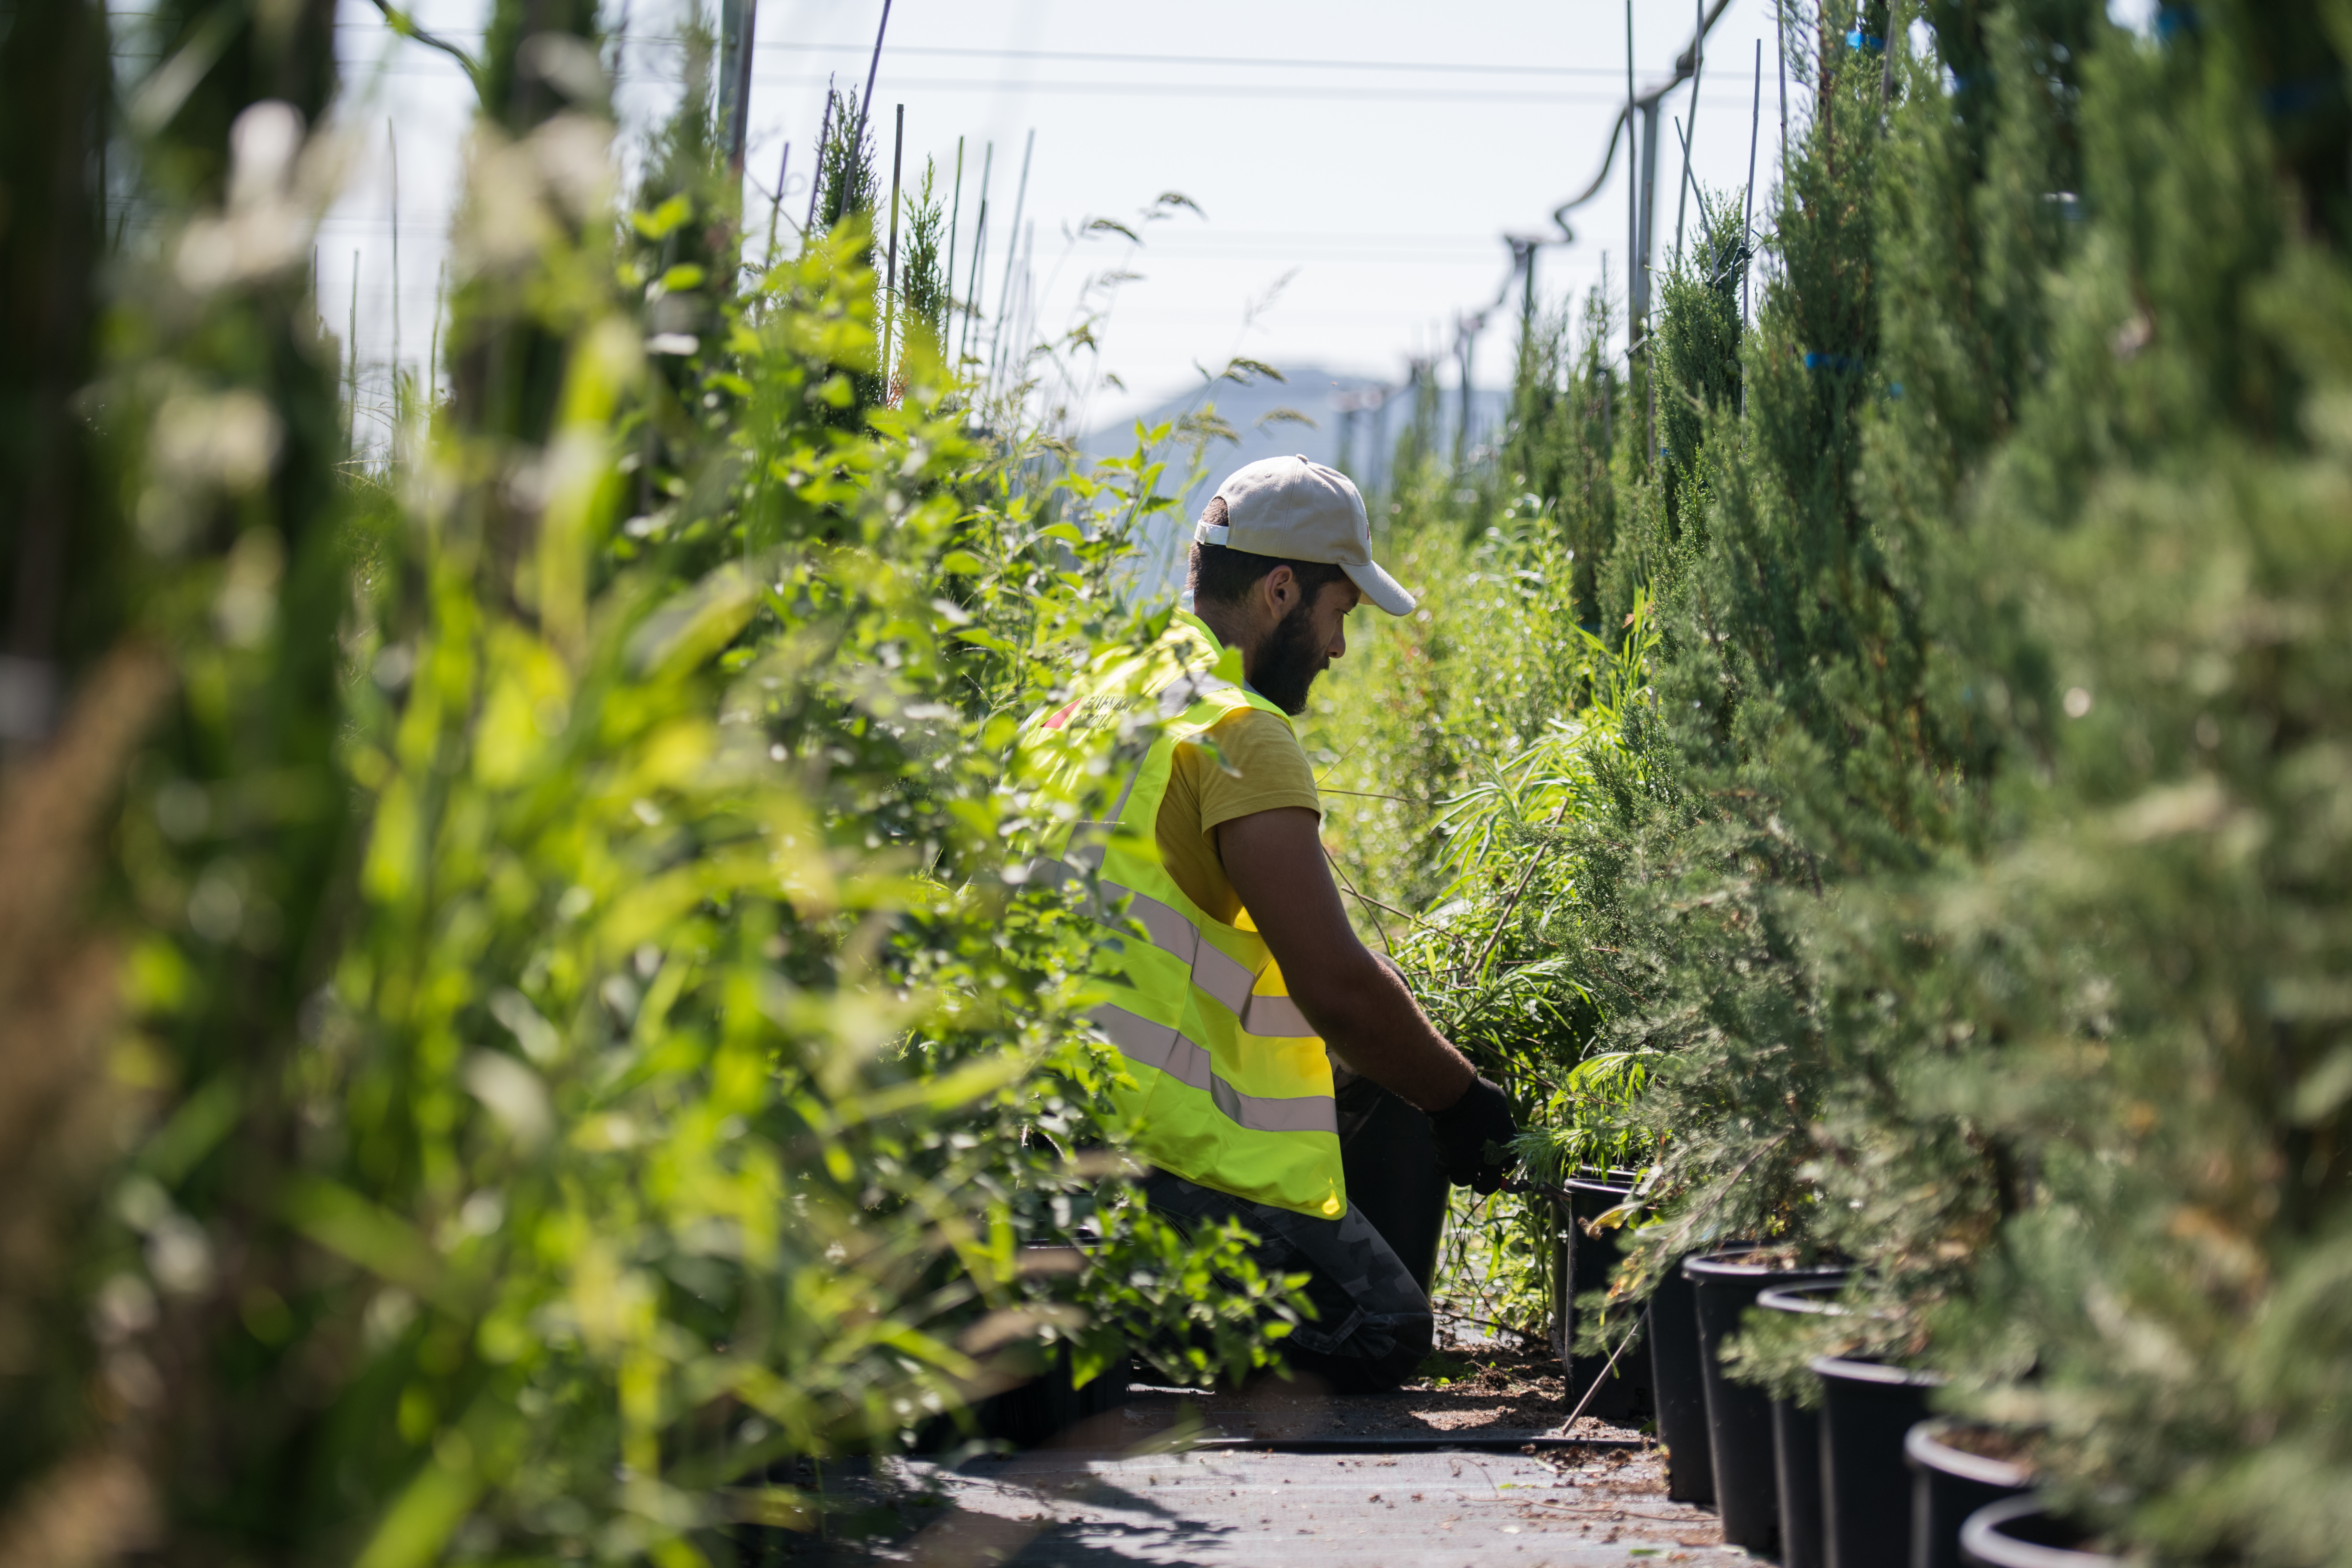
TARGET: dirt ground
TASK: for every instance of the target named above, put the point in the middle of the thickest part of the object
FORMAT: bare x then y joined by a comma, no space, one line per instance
1479,1389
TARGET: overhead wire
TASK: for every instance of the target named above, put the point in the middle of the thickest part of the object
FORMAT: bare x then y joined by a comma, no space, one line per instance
1523,247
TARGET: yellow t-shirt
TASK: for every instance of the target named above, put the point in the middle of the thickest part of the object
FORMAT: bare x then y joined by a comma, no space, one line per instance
1274,771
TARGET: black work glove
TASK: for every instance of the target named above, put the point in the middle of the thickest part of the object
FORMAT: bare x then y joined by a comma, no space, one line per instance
1474,1137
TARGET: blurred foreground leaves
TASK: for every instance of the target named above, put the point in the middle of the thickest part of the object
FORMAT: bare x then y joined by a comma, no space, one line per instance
576,1051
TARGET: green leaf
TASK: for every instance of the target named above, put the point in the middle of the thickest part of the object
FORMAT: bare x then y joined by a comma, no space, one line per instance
658,224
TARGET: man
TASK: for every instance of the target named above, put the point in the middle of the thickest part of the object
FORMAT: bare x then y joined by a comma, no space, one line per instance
1246,964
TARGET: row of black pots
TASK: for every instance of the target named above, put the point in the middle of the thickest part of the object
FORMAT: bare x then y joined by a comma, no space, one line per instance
1865,1481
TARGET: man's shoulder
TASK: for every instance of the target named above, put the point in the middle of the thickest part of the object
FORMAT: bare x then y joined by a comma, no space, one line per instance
1256,727
1263,766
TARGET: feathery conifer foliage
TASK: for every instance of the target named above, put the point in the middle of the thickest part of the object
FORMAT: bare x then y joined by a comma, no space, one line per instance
1992,944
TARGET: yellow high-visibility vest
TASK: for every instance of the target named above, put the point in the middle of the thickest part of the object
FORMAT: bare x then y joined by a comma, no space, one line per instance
1233,1089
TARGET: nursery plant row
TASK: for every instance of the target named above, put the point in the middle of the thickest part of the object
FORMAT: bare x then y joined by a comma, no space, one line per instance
525,1027
1953,922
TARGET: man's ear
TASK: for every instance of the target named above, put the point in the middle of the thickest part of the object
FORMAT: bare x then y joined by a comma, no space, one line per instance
1280,586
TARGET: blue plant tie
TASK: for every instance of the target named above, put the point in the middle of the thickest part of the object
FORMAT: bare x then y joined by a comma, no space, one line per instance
2300,97
1858,39
2174,20
1831,362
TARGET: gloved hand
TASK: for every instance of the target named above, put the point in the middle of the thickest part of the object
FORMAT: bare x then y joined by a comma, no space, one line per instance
1474,1137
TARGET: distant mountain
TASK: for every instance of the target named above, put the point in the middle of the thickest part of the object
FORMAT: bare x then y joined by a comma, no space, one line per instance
1356,423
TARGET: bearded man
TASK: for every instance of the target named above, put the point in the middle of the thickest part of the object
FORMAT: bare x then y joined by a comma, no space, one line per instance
1283,1074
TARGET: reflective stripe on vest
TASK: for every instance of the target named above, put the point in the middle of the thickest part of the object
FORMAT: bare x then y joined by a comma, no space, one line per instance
1140,1039
1213,1039
1260,1013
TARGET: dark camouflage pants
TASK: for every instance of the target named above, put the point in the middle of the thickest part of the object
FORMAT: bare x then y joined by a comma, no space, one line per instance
1372,1323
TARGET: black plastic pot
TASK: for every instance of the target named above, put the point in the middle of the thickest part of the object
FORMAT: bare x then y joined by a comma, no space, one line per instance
1388,1155
1739,1414
2018,1534
1866,1408
1949,1485
1797,1439
1050,1406
1580,1265
1680,1389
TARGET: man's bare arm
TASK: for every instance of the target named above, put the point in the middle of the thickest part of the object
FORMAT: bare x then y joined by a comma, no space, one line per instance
1275,859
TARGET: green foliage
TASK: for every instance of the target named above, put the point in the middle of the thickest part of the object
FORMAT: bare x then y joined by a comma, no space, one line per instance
581,1043
585,1047
1471,749
2120,1009
1698,345
1994,893
923,275
845,178
1562,446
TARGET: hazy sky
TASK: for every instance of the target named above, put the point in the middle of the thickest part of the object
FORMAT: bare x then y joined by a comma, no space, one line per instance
1371,154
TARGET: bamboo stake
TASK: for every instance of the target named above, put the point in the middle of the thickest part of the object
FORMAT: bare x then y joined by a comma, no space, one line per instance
890,286
955,212
776,202
817,181
1632,197
1781,53
351,406
1698,64
1465,341
1748,209
1607,386
1004,290
1690,183
392,139
738,132
865,104
979,255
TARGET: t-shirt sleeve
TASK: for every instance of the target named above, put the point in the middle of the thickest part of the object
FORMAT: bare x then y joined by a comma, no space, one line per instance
1272,766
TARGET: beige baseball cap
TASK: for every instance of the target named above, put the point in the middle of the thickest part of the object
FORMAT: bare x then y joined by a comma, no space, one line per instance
1302,511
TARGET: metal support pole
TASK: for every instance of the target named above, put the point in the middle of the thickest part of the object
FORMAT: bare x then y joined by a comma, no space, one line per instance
738,24
1634,275
1649,207
1527,299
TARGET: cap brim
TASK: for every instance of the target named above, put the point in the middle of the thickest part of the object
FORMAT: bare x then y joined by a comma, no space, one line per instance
1379,587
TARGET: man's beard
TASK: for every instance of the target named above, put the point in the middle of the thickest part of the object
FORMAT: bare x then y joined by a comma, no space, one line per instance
1289,660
